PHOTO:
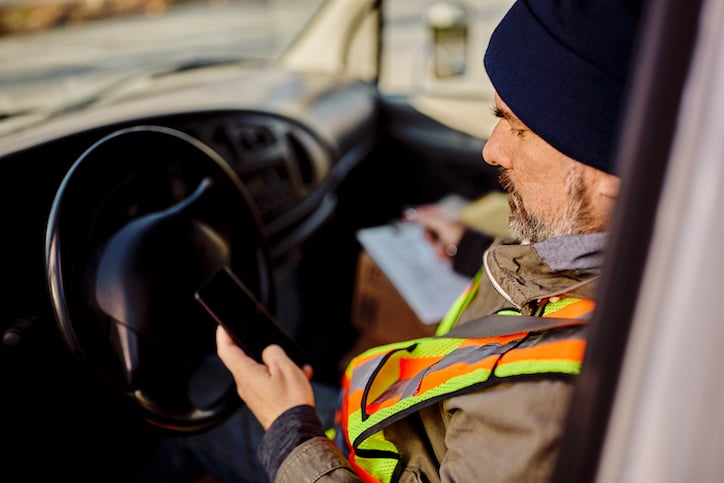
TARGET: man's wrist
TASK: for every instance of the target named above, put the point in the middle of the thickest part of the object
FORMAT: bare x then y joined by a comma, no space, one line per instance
289,430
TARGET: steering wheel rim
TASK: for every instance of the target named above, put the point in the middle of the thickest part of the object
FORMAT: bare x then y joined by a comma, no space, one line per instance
142,218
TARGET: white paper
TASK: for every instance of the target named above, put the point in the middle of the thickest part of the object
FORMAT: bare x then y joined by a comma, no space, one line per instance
426,282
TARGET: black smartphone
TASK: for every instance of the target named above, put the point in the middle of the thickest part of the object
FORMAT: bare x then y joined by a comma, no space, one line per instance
230,302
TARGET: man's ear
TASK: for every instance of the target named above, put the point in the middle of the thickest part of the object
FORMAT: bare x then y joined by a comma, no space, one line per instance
608,185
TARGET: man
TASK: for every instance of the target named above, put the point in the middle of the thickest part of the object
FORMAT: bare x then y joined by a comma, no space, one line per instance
492,405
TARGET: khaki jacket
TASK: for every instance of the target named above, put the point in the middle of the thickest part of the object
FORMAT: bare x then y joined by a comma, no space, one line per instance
506,433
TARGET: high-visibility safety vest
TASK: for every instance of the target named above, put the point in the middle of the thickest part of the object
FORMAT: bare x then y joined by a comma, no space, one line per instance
384,384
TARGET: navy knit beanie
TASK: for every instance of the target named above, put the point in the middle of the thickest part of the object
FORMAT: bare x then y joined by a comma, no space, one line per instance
562,66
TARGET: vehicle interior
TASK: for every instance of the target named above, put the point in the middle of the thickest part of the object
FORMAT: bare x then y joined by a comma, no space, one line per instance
119,204
122,202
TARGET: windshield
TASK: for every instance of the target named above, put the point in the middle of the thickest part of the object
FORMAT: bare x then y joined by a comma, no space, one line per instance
55,52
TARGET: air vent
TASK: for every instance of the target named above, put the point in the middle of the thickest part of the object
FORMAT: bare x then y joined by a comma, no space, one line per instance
254,138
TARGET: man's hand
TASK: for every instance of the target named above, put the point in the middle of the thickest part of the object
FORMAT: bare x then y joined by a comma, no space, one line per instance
270,388
443,230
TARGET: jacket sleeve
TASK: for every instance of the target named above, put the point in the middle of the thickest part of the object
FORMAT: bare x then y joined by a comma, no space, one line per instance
509,433
295,449
316,460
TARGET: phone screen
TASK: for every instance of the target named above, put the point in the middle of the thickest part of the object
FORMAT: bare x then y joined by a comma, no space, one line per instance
248,322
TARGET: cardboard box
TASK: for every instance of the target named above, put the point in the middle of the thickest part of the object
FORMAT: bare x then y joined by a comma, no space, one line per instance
379,312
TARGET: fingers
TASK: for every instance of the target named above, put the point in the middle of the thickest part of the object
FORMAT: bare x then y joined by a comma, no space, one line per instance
278,361
308,371
222,337
225,347
274,356
268,388
431,217
441,229
424,214
232,355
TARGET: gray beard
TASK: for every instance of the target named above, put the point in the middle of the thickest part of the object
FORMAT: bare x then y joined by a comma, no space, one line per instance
528,228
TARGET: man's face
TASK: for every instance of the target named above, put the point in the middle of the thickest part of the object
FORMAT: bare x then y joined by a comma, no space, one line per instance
549,193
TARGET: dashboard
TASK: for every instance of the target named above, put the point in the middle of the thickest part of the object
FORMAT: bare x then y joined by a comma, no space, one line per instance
291,139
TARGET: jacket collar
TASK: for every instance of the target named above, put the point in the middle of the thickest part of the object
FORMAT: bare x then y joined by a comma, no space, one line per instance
567,264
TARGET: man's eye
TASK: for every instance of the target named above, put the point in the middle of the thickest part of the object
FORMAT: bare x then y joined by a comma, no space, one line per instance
517,132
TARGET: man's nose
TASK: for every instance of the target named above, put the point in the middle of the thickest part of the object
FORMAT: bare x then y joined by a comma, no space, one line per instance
494,152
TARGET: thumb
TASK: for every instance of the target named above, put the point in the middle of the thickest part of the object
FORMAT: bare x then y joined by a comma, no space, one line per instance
227,350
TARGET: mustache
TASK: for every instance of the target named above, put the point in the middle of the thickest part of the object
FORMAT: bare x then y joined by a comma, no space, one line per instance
517,207
505,181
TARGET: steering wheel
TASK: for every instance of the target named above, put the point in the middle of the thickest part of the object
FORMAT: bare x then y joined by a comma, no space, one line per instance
141,220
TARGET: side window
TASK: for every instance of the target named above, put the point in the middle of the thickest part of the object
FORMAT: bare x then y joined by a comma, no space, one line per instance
436,58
